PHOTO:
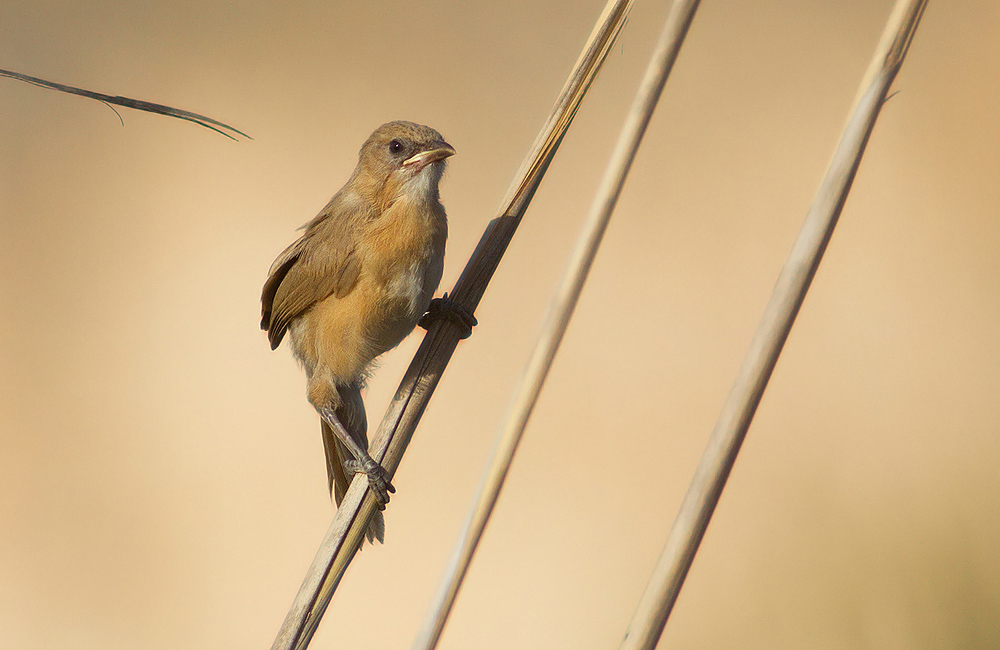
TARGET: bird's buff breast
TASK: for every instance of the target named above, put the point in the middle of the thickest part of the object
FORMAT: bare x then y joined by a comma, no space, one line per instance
403,298
405,259
400,272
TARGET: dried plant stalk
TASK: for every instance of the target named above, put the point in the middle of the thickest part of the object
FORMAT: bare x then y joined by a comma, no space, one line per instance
789,291
128,102
563,305
346,532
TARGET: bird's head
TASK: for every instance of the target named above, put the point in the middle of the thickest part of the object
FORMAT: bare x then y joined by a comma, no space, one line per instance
402,158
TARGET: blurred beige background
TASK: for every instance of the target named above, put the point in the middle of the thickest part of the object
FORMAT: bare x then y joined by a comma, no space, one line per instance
161,474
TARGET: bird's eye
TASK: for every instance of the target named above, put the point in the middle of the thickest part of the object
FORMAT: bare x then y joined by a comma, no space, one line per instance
395,146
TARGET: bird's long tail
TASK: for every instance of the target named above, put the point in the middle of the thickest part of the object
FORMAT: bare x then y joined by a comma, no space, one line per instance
352,415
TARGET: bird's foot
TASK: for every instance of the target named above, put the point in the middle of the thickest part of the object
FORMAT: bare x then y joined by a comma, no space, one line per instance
454,312
378,478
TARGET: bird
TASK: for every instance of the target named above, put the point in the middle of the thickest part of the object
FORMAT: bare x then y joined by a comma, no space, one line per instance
356,283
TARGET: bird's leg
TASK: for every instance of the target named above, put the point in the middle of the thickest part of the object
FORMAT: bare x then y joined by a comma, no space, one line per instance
378,478
452,311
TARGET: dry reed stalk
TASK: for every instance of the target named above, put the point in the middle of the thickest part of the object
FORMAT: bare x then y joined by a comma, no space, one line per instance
790,289
128,102
346,532
561,310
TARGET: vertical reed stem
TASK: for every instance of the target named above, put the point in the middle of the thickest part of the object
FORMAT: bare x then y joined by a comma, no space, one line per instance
710,477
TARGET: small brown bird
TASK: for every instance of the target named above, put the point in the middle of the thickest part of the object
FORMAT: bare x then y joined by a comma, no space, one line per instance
356,283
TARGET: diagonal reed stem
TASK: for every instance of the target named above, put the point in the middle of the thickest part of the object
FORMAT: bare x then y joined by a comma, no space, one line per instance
563,305
790,289
346,531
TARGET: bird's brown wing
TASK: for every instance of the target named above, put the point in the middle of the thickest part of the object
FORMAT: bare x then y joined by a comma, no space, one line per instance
319,264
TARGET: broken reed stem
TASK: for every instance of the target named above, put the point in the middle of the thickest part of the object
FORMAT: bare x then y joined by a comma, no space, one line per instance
563,305
127,102
346,532
706,487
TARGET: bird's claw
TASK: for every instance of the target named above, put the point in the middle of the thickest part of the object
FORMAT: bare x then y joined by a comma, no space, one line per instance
378,478
452,311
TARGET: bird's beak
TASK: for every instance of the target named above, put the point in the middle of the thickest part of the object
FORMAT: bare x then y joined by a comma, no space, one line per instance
439,151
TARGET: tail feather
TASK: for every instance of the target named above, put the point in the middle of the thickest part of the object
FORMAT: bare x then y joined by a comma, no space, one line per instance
352,415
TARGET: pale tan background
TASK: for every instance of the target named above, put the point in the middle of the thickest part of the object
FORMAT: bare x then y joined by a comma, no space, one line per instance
161,474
